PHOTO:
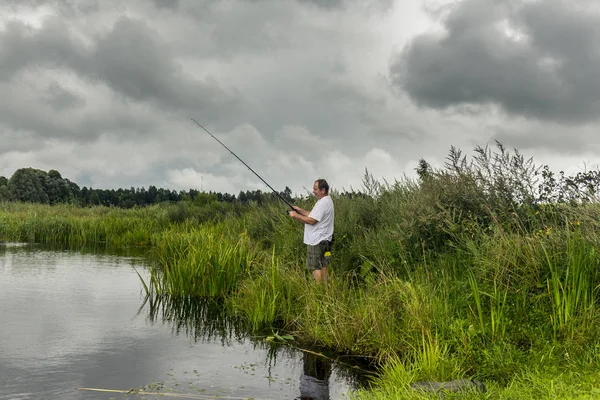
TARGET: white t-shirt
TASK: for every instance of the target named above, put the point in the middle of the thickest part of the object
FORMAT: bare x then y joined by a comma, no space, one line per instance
323,229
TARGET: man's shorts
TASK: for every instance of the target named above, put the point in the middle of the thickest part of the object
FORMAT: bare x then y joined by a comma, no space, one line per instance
315,256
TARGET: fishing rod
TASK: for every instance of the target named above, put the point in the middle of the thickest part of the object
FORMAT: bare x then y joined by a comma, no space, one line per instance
247,166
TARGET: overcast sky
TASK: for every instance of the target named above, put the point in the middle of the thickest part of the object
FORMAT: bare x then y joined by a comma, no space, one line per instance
103,91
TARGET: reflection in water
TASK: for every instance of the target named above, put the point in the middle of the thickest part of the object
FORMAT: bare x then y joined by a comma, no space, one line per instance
136,252
206,319
314,382
201,319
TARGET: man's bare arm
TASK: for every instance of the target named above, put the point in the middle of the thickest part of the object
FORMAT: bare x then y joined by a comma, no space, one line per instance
302,211
303,218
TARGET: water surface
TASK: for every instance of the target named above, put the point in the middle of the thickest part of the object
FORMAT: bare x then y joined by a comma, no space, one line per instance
70,319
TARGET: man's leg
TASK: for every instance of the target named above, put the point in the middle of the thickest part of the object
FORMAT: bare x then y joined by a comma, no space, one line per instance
320,275
313,261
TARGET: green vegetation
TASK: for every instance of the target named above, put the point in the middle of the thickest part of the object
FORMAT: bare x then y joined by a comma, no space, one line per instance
199,262
75,227
484,269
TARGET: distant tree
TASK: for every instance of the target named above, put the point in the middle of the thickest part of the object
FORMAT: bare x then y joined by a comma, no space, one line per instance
27,184
54,174
256,195
84,196
287,194
94,197
73,189
140,196
162,195
193,193
229,198
57,188
4,193
34,185
151,195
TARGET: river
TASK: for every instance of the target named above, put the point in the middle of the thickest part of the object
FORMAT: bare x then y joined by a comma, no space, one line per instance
74,319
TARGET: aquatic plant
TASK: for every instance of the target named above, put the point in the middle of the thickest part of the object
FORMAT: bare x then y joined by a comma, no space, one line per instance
200,261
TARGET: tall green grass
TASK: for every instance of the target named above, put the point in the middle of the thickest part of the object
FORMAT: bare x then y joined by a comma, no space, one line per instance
532,382
201,261
75,227
270,296
573,285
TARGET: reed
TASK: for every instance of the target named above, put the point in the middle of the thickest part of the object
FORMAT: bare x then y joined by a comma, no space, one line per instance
269,296
532,383
491,314
75,227
201,261
573,285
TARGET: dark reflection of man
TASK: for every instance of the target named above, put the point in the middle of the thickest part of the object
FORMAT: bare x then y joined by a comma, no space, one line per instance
314,382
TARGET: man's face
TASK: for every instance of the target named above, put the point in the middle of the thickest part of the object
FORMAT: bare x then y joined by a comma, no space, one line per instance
319,193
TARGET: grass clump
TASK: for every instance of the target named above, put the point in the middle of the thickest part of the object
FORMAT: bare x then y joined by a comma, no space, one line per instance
270,296
200,261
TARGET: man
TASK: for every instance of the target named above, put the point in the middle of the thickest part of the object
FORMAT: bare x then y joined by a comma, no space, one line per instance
318,230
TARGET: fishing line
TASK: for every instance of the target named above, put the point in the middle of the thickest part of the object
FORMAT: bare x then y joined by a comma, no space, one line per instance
242,161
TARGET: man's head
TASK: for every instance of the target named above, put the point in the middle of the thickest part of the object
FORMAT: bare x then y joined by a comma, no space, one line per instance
320,188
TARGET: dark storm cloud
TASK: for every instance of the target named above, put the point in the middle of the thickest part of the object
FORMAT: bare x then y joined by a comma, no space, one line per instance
538,60
324,3
61,118
23,47
61,4
552,138
131,59
61,99
299,89
346,102
333,4
168,4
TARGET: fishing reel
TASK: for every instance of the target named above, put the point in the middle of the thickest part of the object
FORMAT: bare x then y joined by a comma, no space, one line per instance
288,211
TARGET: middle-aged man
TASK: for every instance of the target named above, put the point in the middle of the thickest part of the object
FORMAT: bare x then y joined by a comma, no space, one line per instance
318,230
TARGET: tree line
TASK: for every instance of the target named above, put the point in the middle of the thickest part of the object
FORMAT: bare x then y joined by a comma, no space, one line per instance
37,186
